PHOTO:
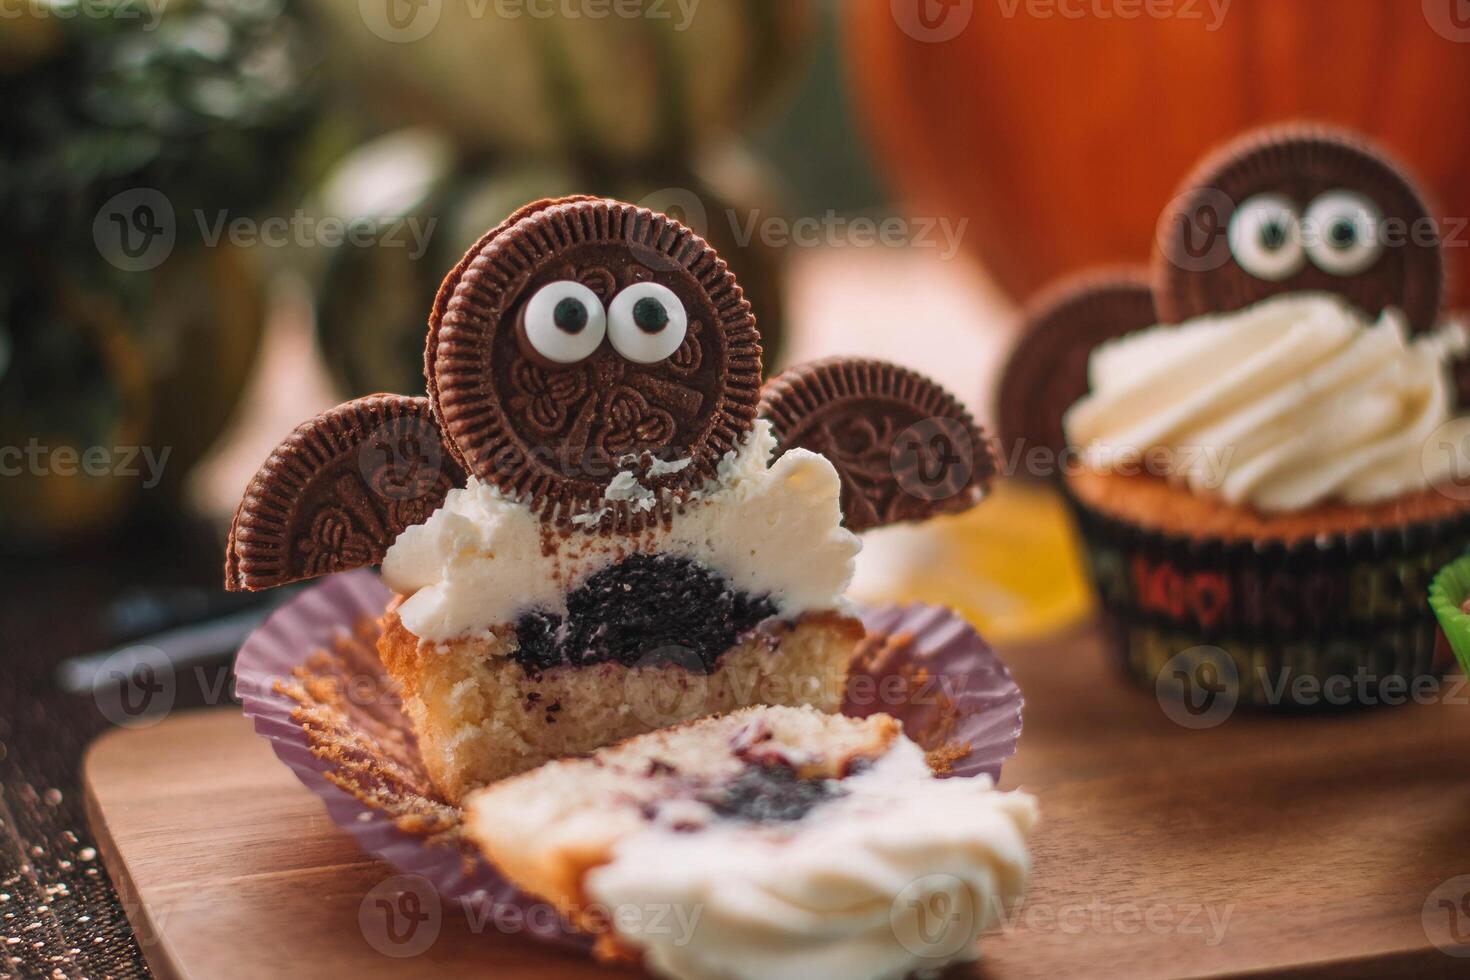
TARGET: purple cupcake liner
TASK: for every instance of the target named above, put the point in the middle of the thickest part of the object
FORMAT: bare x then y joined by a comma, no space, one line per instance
922,664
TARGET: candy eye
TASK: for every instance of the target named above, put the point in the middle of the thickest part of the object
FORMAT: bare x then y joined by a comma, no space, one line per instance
647,322
564,322
1344,227
1264,239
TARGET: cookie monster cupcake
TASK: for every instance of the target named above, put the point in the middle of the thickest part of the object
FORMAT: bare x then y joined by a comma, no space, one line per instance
1265,479
600,521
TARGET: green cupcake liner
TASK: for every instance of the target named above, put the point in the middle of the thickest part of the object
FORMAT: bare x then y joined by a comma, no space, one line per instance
1447,593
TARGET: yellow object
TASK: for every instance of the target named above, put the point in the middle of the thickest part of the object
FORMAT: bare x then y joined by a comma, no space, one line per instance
1012,566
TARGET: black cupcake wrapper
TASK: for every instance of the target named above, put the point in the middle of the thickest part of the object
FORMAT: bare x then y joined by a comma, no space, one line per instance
1340,605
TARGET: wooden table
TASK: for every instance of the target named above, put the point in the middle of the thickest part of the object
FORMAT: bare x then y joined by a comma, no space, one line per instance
1323,845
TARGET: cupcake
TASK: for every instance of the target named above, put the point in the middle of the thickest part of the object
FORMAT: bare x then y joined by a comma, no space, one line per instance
773,842
598,523
1265,479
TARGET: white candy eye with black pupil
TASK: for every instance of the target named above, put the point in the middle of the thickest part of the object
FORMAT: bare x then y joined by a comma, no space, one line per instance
1343,228
646,322
1265,237
565,322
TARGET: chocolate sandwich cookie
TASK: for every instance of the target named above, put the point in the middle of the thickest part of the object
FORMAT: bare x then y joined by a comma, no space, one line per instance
905,448
1047,370
338,492
1297,208
441,301
585,338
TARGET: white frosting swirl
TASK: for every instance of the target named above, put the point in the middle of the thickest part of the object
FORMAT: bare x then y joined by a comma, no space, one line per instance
1294,401
902,874
768,527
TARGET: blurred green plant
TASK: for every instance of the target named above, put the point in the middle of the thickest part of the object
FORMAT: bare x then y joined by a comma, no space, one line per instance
201,104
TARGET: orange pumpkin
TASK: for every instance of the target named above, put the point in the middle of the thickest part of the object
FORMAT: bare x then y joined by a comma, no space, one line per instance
1062,137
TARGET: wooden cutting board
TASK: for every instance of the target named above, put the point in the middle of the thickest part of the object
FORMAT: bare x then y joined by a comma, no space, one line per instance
1321,845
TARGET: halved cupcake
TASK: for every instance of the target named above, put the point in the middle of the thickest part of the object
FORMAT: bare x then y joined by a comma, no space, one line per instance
598,522
773,842
515,644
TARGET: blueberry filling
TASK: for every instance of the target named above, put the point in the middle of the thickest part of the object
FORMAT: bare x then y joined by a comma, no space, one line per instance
769,794
645,610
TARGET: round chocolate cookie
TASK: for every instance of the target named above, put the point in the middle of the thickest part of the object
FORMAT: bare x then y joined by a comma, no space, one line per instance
905,448
338,492
584,337
1297,208
1047,370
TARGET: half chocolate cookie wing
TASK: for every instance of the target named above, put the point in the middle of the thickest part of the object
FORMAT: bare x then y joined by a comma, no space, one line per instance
1047,369
337,493
905,448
